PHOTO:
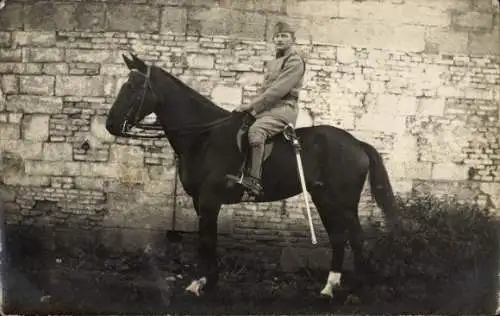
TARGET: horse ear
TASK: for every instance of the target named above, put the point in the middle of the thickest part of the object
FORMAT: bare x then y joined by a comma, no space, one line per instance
128,62
139,64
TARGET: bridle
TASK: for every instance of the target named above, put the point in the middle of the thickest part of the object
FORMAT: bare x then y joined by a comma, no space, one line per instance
131,118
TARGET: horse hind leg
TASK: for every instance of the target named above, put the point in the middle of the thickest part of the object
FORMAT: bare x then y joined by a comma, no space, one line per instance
337,236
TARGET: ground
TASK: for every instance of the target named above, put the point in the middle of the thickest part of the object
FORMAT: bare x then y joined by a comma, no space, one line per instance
92,279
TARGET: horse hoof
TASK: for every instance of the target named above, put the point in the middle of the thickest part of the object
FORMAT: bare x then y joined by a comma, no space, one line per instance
326,294
196,286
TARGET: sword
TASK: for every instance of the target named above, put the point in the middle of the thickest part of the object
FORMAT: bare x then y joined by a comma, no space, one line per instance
296,145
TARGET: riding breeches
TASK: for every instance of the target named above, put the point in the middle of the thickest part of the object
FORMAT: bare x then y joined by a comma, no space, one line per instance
263,128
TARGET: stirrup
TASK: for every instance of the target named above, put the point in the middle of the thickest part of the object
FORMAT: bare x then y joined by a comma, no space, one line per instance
234,179
252,185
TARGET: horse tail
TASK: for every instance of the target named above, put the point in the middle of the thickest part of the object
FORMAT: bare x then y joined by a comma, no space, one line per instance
380,184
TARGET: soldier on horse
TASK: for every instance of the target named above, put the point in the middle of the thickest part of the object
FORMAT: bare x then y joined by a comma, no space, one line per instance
276,106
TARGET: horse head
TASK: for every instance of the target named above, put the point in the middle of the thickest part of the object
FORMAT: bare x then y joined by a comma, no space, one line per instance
136,98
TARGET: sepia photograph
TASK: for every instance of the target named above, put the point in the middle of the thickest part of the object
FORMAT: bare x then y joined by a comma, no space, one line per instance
250,157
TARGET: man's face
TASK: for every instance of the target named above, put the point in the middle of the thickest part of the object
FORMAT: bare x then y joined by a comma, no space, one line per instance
283,40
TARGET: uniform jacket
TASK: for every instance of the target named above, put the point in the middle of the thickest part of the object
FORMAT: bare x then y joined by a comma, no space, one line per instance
282,82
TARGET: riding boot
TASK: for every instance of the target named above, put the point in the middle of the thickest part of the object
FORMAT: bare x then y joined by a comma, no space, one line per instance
253,181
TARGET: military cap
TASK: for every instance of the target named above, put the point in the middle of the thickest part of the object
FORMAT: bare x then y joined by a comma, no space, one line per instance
283,27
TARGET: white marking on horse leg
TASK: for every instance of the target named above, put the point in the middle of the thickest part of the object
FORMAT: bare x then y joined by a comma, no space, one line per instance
332,282
196,286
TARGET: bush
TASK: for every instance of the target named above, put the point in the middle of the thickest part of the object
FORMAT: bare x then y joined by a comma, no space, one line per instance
438,245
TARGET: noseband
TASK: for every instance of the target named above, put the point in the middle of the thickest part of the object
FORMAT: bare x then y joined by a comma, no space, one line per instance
131,118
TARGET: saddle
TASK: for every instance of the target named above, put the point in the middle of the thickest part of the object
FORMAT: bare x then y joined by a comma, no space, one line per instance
243,144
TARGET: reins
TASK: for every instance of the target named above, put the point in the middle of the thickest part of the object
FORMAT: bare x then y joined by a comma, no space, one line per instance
184,131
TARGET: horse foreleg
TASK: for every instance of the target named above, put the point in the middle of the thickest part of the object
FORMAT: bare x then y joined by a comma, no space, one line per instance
207,248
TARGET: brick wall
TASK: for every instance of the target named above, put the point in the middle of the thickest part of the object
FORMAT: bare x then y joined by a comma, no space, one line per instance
419,79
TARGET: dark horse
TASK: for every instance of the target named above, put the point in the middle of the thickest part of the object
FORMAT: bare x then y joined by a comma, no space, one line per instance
204,138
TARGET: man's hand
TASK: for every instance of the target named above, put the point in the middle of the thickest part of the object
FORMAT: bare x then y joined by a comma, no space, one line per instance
245,108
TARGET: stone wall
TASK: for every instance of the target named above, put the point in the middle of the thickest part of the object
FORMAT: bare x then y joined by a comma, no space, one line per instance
419,79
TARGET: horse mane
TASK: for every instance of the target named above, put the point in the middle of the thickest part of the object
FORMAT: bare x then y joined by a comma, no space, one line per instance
200,99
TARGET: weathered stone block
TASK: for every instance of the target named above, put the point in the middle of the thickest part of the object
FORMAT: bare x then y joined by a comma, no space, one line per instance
33,68
444,143
6,195
219,21
473,20
174,20
40,15
9,84
11,17
15,118
47,38
9,131
101,170
227,95
10,55
409,170
36,127
57,152
83,86
386,12
443,5
133,175
98,129
449,171
253,5
431,106
405,149
25,180
55,69
396,104
360,33
129,155
250,78
161,172
5,39
346,55
34,104
304,118
150,218
314,8
25,149
381,123
47,15
158,186
53,168
187,3
92,56
485,44
89,183
202,61
114,70
90,16
402,186
45,54
133,18
446,41
37,85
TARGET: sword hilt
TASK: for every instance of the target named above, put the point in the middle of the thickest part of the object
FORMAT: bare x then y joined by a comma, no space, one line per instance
296,144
